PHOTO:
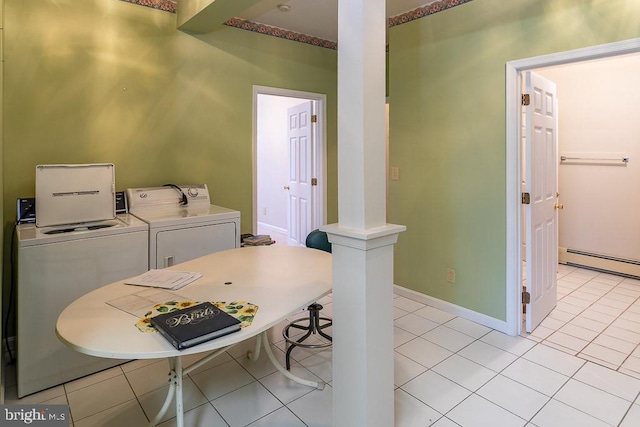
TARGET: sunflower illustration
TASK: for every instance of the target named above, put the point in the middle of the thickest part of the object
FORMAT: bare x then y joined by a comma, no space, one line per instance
144,325
185,304
248,310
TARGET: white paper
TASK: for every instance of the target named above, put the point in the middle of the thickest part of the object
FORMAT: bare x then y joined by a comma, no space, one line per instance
166,279
142,302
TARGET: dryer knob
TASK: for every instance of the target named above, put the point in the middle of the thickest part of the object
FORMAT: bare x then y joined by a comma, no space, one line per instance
193,192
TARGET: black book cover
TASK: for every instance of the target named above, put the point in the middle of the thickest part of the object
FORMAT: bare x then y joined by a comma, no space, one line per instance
194,325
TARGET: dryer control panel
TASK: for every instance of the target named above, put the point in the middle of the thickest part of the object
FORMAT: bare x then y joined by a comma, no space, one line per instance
167,195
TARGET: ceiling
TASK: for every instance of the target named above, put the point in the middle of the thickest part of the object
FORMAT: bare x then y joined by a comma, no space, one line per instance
318,18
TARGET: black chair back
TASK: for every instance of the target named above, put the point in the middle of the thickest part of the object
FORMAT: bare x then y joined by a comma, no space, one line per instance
318,240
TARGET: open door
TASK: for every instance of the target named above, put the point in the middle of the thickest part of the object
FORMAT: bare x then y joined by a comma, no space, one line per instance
301,179
541,204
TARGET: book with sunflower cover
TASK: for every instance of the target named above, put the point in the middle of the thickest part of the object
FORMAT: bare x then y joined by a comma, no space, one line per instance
193,325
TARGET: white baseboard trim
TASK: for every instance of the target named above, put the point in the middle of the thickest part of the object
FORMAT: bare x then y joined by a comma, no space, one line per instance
465,313
272,228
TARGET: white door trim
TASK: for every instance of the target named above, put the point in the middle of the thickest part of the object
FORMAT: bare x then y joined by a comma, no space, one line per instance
320,167
514,70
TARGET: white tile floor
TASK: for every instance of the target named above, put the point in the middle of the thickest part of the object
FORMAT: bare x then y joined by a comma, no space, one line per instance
597,319
581,367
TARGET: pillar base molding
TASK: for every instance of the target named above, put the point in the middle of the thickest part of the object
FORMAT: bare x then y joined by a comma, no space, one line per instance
370,238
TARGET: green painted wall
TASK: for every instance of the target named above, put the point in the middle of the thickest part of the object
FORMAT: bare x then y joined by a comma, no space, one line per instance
447,132
108,81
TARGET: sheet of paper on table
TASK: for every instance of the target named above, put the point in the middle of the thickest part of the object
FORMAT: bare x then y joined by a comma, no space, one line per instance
166,279
140,303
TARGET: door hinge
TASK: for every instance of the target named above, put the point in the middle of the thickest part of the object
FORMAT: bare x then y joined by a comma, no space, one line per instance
314,118
526,99
526,198
314,181
526,297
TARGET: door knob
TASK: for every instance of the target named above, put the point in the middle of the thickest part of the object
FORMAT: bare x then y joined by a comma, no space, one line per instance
286,187
558,206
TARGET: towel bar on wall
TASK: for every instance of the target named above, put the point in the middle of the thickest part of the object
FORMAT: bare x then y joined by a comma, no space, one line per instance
618,161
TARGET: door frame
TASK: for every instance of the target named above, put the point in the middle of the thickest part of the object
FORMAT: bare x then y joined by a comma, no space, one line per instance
514,71
320,150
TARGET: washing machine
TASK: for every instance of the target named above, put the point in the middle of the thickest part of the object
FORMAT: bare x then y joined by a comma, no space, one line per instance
58,260
183,224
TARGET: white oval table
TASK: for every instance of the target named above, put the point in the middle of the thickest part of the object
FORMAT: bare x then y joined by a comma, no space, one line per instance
280,280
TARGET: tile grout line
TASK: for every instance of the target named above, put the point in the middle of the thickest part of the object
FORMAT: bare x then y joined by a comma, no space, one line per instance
578,352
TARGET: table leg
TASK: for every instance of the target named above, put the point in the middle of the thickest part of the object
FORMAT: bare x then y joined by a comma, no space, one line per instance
279,367
176,374
254,354
179,403
175,389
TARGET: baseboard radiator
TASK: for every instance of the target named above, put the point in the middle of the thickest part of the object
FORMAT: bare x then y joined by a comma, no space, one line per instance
598,262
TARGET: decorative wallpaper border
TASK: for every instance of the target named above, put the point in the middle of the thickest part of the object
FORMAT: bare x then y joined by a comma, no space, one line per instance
279,32
427,10
166,5
421,12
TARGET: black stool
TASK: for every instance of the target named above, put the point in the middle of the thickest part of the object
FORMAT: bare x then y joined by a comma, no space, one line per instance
313,325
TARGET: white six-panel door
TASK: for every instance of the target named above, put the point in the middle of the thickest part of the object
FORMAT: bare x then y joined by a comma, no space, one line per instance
542,184
300,209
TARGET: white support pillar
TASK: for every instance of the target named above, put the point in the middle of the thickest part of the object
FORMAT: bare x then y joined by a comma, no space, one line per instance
362,242
362,312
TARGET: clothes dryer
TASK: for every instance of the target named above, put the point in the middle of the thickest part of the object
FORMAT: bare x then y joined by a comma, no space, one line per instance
55,266
183,224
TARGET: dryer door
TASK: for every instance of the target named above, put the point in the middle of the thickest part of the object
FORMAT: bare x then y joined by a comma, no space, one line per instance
183,244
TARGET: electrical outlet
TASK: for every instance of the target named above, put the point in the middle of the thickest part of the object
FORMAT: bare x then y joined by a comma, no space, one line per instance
264,211
451,275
